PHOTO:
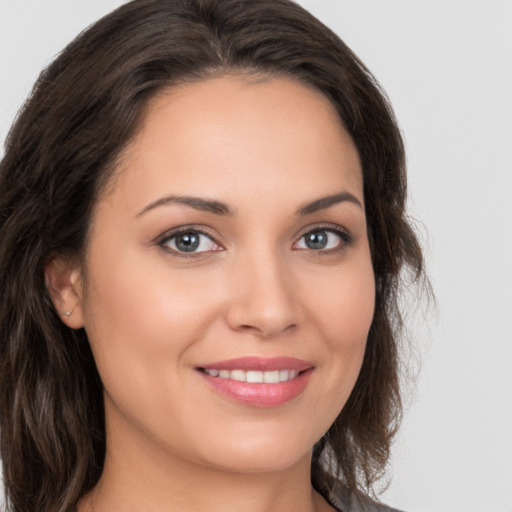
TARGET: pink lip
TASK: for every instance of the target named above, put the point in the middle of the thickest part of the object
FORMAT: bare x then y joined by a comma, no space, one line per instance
260,394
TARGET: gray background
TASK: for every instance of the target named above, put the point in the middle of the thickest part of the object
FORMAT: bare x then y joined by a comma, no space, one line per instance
447,67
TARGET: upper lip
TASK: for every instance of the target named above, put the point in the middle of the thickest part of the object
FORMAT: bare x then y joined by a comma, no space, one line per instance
260,364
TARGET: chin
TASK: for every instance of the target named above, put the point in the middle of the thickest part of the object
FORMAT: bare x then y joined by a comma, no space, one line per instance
263,454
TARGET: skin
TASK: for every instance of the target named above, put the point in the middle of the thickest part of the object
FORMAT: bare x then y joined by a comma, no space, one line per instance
264,148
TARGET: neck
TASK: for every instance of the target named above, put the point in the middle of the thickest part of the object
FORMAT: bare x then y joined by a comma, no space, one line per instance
187,489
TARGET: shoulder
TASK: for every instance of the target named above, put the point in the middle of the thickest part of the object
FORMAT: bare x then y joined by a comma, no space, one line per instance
358,503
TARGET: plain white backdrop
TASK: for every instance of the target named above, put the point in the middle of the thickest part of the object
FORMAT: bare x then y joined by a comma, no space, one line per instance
447,67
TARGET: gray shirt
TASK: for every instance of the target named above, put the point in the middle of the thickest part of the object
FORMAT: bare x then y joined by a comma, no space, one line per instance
354,503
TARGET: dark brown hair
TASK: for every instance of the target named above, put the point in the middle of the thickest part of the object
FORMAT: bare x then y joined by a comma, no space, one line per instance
84,109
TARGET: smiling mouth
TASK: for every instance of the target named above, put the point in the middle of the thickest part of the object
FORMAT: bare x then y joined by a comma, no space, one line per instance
254,376
258,381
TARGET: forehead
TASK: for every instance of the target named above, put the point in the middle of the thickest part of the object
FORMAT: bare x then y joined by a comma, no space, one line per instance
224,135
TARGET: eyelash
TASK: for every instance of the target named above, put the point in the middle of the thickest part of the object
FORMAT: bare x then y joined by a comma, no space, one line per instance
346,240
166,238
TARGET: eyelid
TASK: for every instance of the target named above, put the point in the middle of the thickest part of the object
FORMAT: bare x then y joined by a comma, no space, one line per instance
346,238
323,225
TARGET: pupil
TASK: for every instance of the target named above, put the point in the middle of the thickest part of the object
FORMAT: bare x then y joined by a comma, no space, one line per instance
316,240
187,242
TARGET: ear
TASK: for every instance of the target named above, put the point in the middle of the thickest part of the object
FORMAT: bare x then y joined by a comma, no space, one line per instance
63,278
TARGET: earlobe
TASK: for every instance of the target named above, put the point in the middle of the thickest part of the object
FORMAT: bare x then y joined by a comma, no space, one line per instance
63,279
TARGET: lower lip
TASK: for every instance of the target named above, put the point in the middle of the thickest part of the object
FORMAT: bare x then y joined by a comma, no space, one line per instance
260,394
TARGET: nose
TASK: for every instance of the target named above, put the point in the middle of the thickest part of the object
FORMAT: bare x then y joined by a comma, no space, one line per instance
264,297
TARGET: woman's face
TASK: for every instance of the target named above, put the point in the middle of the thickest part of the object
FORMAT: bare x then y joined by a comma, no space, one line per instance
230,246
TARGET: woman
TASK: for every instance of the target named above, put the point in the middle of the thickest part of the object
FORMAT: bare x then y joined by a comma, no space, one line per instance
203,229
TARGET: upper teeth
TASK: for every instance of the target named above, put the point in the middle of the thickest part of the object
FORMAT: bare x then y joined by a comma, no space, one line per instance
272,377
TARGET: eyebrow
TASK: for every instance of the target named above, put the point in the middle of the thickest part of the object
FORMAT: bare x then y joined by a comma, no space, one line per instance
198,203
327,202
219,208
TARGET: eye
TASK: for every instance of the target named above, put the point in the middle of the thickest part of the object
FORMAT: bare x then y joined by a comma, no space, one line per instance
187,241
323,239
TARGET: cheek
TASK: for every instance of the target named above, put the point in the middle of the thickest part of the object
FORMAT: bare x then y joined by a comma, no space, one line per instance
344,309
344,314
140,320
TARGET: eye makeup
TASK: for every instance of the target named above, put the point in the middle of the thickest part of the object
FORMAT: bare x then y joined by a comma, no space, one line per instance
345,239
189,237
